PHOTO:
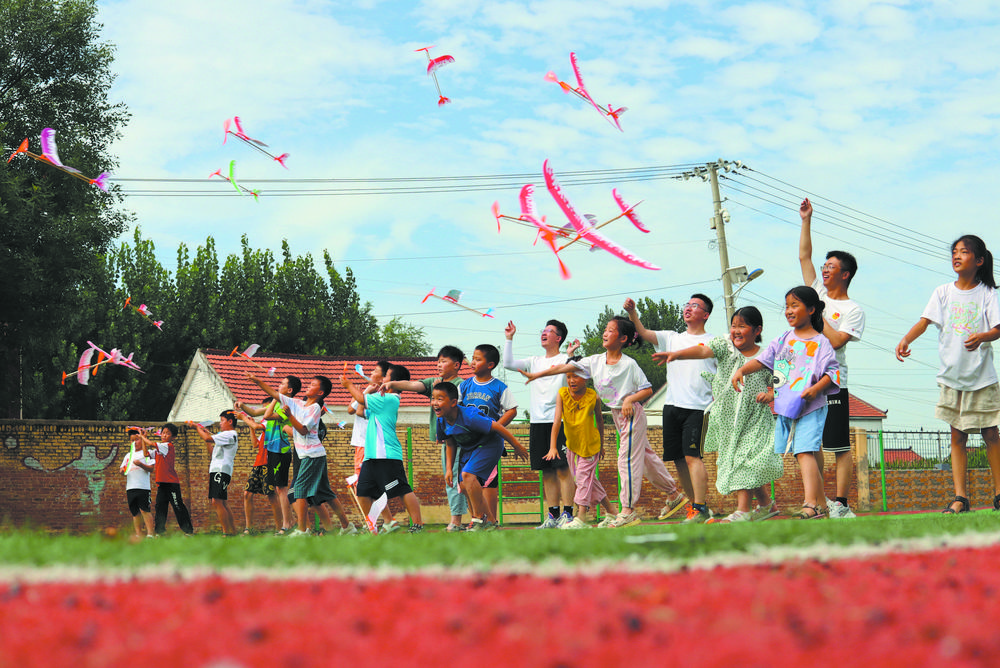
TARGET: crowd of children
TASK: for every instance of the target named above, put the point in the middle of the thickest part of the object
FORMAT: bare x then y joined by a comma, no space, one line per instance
720,393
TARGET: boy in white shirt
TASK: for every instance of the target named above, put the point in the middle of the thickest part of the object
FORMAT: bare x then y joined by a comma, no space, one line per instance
137,466
222,450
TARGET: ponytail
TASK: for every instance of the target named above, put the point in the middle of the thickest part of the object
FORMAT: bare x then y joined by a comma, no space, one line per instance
627,329
984,273
810,298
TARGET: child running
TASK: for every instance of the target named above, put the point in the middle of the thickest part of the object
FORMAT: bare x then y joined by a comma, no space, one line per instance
968,317
579,409
740,425
621,385
805,371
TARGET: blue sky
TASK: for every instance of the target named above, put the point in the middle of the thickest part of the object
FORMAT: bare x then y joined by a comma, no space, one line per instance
884,113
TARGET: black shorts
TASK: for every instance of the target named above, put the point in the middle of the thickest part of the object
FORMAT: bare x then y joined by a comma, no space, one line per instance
138,499
383,475
539,442
278,464
681,433
257,481
218,485
837,430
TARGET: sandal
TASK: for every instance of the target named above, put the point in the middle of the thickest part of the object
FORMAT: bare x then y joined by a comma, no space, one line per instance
809,512
965,505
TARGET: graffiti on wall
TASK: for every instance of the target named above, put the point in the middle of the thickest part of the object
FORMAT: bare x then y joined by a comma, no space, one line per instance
91,466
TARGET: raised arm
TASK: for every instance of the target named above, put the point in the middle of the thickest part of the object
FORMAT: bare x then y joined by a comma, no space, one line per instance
356,394
805,243
508,360
692,353
273,393
648,335
249,410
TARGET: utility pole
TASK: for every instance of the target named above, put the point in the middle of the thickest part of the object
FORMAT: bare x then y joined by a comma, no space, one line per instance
730,275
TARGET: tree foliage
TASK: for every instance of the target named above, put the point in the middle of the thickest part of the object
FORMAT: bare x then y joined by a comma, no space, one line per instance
54,72
286,307
654,315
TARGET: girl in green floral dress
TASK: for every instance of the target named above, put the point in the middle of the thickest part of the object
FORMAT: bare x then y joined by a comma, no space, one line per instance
740,424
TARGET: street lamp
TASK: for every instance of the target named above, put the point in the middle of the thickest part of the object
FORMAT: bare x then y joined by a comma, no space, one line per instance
739,276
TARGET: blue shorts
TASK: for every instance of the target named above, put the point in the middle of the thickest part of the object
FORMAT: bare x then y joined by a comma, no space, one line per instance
481,461
805,433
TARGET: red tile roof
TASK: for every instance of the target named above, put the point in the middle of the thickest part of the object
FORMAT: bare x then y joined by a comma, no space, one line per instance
895,456
233,369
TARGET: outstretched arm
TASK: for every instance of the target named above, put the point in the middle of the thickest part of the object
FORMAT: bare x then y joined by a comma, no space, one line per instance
554,370
805,243
752,366
692,353
273,393
648,335
903,347
519,451
401,386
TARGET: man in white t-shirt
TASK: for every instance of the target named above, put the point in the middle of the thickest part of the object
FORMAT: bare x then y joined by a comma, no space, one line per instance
844,321
222,450
557,482
688,395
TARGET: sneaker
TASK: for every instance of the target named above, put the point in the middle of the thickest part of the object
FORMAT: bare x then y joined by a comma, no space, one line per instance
576,523
549,523
390,527
477,525
695,516
736,516
760,514
672,506
829,505
563,520
452,528
296,533
414,528
606,522
490,526
624,520
349,530
839,511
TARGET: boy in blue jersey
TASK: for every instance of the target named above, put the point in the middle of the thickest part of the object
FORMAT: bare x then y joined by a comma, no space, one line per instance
492,398
382,471
466,428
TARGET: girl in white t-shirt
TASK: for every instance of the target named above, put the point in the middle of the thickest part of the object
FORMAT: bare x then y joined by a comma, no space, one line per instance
621,385
968,317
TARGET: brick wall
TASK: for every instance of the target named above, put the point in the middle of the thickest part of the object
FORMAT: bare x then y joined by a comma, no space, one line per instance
65,476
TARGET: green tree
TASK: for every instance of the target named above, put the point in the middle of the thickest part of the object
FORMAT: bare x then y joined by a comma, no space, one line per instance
655,315
54,72
398,338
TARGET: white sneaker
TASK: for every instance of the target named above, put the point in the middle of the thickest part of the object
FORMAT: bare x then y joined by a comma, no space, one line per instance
575,523
563,520
390,527
606,522
549,523
839,511
349,530
737,516
298,534
624,520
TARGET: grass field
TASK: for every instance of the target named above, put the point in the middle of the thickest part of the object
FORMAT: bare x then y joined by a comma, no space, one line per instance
907,590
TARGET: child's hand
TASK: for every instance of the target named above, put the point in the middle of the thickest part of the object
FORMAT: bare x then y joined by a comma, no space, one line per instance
519,451
573,347
529,376
627,408
447,478
551,455
903,350
806,210
385,387
975,341
738,380
629,305
765,397
809,393
345,381
662,358
509,330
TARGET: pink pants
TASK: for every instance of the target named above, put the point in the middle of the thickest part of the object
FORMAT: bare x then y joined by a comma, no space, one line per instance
636,459
589,490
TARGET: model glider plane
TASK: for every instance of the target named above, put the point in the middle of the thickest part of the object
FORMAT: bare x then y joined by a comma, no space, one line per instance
248,355
611,115
433,65
87,367
580,228
452,298
50,156
249,141
232,179
143,310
